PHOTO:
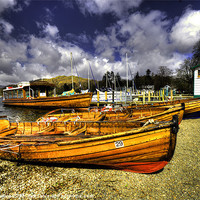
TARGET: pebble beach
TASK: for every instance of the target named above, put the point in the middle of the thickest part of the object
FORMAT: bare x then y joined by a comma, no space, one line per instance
180,179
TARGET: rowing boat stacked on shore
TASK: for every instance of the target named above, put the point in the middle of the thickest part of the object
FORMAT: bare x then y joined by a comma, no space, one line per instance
121,145
60,118
192,106
139,114
139,140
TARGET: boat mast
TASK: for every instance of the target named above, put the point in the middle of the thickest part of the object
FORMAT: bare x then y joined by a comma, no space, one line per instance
88,77
106,80
115,83
126,72
72,72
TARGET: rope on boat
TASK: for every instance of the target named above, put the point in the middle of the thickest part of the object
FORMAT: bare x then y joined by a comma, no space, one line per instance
150,121
9,147
17,118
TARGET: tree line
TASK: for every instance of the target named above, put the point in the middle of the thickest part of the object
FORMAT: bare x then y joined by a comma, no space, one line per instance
181,79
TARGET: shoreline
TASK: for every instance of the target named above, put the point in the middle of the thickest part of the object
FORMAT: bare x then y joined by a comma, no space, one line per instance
180,179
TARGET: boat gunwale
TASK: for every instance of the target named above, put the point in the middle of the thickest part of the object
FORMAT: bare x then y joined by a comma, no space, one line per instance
47,99
85,138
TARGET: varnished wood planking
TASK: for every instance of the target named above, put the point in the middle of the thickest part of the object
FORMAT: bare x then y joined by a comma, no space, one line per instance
80,100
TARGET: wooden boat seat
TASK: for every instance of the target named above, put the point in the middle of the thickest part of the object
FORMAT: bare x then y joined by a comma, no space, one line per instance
4,124
8,131
78,131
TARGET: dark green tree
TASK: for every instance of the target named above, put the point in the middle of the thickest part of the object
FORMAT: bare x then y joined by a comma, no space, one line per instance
66,87
139,81
118,81
148,78
110,79
184,80
196,54
163,77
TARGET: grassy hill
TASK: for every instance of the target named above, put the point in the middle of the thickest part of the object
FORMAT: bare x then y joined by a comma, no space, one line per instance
61,80
64,83
1,90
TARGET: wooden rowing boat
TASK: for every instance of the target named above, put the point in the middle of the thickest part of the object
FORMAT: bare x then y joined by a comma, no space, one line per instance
192,106
121,145
47,123
165,103
139,114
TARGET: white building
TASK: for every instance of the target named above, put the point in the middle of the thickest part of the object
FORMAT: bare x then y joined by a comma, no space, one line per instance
196,80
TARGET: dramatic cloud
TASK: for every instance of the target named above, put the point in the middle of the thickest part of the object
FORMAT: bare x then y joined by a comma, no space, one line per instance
148,39
10,52
143,37
186,32
39,58
118,7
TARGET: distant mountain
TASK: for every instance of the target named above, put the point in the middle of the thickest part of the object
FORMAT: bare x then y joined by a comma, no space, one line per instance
64,83
59,81
1,91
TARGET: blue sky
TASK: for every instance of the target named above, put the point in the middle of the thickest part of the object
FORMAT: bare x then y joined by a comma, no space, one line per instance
37,36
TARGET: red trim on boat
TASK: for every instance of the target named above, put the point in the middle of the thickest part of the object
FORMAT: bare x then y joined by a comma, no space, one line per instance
141,167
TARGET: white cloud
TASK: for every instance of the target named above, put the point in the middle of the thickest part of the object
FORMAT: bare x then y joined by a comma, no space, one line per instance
51,30
186,32
5,4
10,52
6,27
30,71
143,37
118,7
39,58
107,45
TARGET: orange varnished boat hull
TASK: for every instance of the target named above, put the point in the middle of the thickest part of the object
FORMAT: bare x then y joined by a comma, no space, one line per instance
73,101
142,167
192,106
158,114
143,150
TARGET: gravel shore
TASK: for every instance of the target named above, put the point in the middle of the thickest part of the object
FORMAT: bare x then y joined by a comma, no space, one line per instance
180,179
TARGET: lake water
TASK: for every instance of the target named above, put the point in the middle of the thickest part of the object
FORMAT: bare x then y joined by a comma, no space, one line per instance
23,113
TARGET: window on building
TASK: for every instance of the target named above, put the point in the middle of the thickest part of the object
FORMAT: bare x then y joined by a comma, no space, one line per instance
199,73
20,94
